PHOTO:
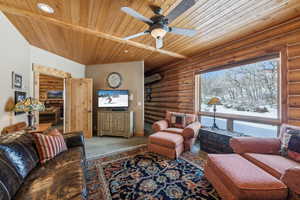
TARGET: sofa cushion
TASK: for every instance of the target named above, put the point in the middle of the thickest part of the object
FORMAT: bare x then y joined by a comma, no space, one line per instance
49,145
249,181
294,148
177,120
61,178
19,149
10,179
174,130
286,132
273,164
169,140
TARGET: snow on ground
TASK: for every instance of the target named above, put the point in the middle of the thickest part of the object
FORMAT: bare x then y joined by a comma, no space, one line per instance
221,109
253,129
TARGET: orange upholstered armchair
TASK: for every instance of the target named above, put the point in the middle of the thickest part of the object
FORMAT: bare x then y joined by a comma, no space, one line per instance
186,125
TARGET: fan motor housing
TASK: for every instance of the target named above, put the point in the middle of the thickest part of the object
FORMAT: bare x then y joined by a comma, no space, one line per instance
159,26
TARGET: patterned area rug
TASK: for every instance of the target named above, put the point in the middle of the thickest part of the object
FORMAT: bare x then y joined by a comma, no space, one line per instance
140,175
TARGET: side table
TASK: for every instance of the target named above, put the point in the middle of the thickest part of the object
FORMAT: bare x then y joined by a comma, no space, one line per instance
40,128
216,140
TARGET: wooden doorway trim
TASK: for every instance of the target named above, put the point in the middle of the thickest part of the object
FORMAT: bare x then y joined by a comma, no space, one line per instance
40,69
36,68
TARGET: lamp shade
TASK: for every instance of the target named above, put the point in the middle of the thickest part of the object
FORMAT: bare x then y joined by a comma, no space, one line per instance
214,101
10,105
28,105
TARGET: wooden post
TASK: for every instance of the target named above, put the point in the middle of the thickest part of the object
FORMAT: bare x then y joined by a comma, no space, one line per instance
229,125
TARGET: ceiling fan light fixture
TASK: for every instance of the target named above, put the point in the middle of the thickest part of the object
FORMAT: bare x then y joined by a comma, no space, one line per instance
45,8
158,33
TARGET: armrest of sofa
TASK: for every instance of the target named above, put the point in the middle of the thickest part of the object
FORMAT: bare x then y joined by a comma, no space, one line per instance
242,145
191,131
74,139
291,178
160,125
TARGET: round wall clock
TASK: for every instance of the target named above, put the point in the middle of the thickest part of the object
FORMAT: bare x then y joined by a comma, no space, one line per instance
114,80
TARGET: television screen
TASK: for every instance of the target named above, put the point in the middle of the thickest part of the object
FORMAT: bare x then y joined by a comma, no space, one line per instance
113,98
55,94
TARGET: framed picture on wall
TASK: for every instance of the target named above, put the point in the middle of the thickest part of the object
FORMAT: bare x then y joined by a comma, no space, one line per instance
19,96
17,81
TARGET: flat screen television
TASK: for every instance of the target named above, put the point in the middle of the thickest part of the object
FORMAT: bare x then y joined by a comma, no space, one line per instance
113,98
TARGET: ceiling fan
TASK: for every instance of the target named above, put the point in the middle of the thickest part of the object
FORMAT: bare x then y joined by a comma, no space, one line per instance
158,24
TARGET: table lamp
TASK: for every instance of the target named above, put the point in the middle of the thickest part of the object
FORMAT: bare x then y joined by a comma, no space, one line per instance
214,101
29,105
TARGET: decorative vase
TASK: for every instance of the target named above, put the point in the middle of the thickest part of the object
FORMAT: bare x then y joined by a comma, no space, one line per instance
30,120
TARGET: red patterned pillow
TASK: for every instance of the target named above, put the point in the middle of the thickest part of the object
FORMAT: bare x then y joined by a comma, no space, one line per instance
294,147
49,145
177,120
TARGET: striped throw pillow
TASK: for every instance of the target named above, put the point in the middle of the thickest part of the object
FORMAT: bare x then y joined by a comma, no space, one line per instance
49,146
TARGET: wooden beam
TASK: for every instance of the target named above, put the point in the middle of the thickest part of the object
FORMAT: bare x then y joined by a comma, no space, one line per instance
29,14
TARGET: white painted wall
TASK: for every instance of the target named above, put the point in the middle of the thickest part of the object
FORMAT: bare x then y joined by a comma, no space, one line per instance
18,55
48,59
14,56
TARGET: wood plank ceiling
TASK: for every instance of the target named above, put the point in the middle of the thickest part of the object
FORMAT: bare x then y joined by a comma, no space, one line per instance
90,31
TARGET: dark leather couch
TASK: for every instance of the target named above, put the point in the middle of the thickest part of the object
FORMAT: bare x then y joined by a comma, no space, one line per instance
22,177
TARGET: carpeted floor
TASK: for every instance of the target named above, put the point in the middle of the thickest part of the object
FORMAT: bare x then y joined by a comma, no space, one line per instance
139,175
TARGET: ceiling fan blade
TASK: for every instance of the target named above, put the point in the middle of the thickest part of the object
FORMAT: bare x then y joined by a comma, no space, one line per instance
183,31
180,9
159,43
136,15
136,35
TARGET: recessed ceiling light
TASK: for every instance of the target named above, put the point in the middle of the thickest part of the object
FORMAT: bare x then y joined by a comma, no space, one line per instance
125,51
45,8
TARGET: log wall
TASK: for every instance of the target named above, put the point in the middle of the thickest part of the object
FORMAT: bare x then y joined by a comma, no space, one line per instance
176,91
49,83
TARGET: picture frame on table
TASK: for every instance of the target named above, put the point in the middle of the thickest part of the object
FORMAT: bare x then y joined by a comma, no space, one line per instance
17,81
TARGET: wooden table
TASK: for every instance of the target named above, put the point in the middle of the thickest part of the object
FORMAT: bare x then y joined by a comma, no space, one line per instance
40,128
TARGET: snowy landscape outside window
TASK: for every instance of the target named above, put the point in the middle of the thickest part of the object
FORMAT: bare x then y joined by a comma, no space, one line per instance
247,90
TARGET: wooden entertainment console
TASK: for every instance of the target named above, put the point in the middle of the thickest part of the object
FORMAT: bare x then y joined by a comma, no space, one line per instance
115,123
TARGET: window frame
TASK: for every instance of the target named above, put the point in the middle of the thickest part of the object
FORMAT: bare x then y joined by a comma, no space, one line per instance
282,71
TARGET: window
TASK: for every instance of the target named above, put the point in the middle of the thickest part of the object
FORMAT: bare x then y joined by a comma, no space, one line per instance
208,121
249,90
249,95
256,130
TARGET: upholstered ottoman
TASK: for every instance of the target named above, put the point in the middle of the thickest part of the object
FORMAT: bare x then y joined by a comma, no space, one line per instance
235,178
167,144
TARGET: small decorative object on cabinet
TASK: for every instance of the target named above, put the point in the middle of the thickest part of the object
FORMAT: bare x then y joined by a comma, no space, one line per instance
115,123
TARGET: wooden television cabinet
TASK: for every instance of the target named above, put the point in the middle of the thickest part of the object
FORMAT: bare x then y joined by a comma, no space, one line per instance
115,123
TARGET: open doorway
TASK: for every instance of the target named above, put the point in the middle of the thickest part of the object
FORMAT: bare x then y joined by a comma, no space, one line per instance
50,88
51,94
